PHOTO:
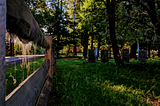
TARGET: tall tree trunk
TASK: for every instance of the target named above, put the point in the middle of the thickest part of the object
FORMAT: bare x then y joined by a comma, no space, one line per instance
3,9
85,45
85,50
74,50
92,43
133,50
110,5
99,46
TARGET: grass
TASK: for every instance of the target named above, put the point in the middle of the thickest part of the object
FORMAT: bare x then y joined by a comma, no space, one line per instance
17,73
104,84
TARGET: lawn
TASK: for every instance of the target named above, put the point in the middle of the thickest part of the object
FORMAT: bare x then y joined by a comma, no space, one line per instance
104,84
17,73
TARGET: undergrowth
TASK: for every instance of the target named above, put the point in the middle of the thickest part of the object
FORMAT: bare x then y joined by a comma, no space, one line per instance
104,84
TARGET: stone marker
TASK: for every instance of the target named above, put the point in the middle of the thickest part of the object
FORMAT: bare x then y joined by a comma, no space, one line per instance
96,52
125,55
91,56
142,55
104,55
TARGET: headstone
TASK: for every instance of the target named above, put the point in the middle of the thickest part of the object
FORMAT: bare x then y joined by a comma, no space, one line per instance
96,52
91,56
142,55
125,55
104,55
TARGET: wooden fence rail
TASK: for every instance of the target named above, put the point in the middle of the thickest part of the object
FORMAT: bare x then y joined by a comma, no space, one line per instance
23,24
27,92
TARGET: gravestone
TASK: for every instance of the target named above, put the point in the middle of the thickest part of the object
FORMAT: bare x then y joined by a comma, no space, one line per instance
96,52
104,55
91,56
142,55
125,55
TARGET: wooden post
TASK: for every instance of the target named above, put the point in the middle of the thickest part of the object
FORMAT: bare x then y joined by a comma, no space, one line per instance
48,54
2,51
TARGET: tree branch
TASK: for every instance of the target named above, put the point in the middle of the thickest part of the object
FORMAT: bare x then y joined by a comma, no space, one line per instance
140,22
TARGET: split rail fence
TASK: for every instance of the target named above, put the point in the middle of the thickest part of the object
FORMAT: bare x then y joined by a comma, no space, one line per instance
29,91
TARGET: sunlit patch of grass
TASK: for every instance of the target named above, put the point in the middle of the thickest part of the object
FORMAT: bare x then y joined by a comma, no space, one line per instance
104,84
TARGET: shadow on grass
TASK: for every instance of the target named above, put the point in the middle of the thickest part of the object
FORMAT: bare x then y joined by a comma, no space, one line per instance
104,84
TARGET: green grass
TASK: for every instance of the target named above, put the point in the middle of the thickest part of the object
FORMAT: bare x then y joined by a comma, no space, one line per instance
104,84
17,73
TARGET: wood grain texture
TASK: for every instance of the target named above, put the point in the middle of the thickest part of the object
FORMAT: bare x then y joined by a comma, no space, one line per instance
43,98
48,54
2,51
21,22
27,92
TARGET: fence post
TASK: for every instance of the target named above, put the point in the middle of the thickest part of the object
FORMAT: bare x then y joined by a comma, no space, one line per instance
2,51
48,55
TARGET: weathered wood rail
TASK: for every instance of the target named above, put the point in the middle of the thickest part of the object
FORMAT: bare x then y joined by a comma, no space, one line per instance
22,23
27,92
3,10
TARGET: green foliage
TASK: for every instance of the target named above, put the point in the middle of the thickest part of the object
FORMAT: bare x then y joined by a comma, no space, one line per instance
105,83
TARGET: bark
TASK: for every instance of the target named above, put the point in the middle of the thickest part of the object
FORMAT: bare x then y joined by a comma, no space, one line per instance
2,51
92,43
98,48
84,42
133,50
74,51
85,50
110,5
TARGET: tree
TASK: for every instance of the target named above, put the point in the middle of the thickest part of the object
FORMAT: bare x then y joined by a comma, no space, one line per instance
54,19
110,5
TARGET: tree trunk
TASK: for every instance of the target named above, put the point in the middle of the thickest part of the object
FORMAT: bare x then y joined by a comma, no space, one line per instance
74,51
92,43
85,43
98,48
133,50
111,14
85,50
2,51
